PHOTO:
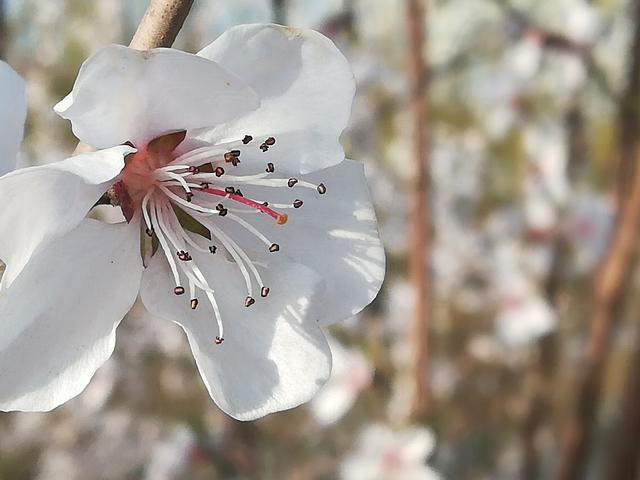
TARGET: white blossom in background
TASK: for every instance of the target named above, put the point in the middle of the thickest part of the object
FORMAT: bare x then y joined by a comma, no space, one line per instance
171,457
545,184
13,112
245,225
384,454
588,224
351,373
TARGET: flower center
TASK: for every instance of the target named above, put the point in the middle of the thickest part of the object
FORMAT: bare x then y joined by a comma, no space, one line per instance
187,198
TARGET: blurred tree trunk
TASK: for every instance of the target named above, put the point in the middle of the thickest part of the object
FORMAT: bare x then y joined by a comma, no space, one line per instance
623,463
608,293
610,280
419,217
629,112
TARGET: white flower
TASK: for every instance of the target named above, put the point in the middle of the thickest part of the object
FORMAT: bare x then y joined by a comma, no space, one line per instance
351,374
263,107
382,454
13,111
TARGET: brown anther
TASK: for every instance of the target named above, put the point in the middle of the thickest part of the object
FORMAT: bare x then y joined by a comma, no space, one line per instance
218,340
228,157
235,161
270,168
249,301
274,247
223,212
189,196
297,203
219,207
322,189
264,292
266,204
282,219
193,169
230,190
149,232
178,290
194,303
235,153
219,171
270,141
264,147
204,185
247,139
239,193
213,249
292,182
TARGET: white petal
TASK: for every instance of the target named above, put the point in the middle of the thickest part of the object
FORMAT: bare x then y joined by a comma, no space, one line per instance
306,87
335,234
59,316
122,94
13,111
41,203
274,356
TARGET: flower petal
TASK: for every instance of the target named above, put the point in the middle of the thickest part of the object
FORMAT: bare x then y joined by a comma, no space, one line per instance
274,356
13,111
59,316
41,203
122,94
335,234
306,87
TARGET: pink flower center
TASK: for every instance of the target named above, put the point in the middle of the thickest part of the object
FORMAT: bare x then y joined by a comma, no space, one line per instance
186,199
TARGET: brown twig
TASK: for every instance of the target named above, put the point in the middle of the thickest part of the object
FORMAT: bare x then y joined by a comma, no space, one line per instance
419,213
161,24
159,27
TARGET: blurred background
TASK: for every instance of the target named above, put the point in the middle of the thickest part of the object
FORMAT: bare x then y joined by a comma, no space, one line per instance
531,113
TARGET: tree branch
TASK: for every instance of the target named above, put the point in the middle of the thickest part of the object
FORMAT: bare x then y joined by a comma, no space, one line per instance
161,24
419,214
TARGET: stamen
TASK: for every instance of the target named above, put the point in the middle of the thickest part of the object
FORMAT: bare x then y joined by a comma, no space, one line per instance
179,290
274,248
264,292
247,139
280,218
270,168
194,303
292,181
249,301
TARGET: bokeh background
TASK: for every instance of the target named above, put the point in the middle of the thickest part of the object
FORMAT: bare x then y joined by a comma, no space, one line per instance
526,105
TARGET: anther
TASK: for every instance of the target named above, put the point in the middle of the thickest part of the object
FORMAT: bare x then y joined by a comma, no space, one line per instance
292,182
178,290
149,232
266,204
247,139
249,301
230,190
189,196
239,193
218,340
204,185
193,169
264,292
219,171
213,249
270,141
297,203
270,168
264,147
194,303
282,219
274,247
322,189
219,207
235,153
223,212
